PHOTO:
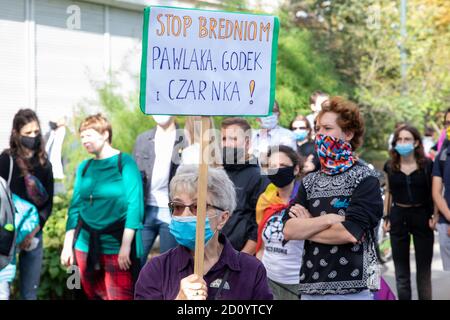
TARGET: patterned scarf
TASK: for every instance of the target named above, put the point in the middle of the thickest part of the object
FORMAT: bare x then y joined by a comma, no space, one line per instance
335,154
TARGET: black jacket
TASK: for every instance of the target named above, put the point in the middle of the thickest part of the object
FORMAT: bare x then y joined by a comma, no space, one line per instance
249,184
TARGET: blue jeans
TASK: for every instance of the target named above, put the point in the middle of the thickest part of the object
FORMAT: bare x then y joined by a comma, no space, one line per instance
30,265
363,295
152,228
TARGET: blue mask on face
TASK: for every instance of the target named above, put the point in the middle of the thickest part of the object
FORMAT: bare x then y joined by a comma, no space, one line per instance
301,135
183,229
404,149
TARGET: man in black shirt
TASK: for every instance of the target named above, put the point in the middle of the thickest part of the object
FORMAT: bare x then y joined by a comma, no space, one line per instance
441,181
241,229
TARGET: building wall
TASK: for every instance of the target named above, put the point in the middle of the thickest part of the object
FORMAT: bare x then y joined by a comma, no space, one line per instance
50,65
13,63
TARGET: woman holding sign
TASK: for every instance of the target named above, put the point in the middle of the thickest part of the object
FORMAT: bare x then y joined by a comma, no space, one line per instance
228,274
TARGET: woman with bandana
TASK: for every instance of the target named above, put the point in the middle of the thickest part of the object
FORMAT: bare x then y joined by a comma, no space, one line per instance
337,209
409,210
32,180
228,273
282,259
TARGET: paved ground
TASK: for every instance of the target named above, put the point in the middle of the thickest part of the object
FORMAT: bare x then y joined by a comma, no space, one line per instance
440,278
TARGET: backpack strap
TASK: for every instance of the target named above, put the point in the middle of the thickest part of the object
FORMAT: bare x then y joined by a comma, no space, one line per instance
222,284
11,165
86,167
119,165
224,280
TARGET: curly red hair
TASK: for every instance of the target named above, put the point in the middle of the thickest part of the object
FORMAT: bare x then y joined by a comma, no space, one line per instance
349,118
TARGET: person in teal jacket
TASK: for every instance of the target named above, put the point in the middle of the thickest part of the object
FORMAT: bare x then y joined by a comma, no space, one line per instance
26,220
105,217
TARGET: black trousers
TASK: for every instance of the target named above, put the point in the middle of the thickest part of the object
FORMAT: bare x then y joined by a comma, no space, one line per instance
404,223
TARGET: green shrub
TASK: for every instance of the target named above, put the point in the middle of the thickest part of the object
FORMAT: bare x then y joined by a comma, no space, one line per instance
54,276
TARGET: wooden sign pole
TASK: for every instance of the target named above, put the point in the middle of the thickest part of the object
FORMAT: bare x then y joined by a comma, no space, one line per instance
201,198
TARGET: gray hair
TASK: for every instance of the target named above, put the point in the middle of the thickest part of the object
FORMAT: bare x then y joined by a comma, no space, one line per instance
220,188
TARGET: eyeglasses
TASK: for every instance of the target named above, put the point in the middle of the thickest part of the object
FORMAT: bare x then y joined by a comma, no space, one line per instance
177,208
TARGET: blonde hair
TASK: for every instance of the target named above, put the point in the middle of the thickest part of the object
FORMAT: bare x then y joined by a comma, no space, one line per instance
98,123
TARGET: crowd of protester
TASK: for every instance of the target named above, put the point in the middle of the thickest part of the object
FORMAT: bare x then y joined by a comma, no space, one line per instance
292,213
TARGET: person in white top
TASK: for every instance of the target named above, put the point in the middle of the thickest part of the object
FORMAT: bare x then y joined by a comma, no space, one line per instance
315,102
53,146
270,134
282,259
192,131
157,153
428,142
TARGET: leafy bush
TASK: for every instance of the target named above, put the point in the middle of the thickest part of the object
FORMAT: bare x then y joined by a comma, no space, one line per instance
54,276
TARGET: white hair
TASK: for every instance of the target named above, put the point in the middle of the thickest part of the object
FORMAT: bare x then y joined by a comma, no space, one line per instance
220,188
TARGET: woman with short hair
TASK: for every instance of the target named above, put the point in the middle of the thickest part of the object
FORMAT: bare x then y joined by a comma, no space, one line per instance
228,273
105,216
338,208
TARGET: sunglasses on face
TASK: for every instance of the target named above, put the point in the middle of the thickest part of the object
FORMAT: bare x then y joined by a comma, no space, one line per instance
177,208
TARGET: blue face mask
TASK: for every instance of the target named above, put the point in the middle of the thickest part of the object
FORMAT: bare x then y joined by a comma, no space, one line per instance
183,229
301,135
404,149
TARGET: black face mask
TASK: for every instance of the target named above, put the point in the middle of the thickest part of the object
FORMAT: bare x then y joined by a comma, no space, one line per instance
281,177
232,156
32,143
52,125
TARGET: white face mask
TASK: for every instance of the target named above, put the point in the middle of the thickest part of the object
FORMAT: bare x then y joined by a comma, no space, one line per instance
161,120
269,122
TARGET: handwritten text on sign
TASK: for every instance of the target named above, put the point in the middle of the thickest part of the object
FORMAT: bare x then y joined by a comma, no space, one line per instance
208,63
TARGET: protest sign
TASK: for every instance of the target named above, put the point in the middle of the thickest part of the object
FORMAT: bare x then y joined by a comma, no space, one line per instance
210,63
207,63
